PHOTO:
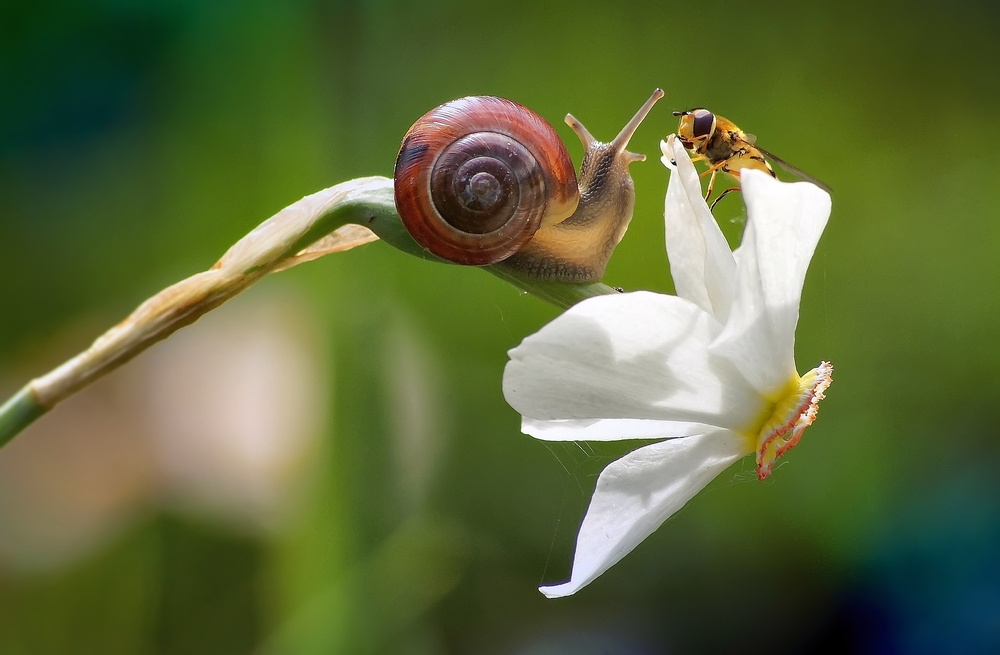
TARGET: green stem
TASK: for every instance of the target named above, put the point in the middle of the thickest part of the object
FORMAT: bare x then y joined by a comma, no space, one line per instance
17,413
365,201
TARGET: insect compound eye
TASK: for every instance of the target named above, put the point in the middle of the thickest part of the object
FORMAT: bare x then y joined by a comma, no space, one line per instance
703,122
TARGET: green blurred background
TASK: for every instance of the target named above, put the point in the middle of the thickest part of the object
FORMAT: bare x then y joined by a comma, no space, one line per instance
327,465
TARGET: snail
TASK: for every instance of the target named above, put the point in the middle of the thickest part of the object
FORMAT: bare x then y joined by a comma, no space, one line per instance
483,180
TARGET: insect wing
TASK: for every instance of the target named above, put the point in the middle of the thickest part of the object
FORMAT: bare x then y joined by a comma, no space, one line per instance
797,172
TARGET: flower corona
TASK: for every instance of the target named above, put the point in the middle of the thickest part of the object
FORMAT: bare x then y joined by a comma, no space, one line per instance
792,414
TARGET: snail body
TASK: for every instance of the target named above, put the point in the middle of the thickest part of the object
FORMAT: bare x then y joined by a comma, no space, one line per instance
483,180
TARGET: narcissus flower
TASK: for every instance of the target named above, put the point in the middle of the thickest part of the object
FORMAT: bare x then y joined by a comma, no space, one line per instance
710,371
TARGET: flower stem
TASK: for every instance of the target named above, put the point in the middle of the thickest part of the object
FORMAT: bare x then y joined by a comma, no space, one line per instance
17,413
280,242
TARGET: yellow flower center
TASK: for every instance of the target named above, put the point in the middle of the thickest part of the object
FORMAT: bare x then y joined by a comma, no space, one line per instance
792,414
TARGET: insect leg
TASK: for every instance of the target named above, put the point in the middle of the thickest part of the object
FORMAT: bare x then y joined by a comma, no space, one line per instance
711,183
723,195
713,169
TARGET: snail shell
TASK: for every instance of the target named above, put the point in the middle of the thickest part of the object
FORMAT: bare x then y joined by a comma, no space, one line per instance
476,177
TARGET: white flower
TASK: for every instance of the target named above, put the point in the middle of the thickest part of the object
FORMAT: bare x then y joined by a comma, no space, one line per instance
710,370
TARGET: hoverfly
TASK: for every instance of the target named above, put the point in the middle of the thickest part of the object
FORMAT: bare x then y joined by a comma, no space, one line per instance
726,148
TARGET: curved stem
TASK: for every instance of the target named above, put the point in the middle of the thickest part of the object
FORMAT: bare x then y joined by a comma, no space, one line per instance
18,413
280,242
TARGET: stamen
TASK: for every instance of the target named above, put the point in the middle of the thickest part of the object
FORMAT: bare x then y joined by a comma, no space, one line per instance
791,416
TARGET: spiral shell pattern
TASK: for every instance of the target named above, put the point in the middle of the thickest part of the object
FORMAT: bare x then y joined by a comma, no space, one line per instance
475,178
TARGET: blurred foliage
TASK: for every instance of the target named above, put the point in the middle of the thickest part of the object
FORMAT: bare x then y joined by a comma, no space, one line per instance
139,139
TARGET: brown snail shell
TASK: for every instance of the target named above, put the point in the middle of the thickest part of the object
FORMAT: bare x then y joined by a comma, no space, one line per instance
476,177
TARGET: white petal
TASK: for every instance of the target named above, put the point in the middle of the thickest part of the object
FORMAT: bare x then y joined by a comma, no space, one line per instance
784,223
609,429
640,491
701,264
634,356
